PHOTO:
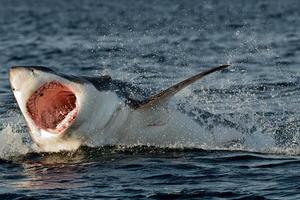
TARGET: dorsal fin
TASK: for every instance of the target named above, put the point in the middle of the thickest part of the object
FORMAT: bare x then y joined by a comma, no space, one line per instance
164,95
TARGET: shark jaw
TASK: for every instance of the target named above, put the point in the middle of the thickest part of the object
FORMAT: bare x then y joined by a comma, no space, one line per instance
52,107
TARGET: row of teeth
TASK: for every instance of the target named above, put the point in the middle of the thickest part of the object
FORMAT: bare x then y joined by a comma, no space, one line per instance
66,121
50,85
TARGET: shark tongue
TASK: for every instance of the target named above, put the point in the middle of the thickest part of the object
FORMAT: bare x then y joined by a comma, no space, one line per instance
50,107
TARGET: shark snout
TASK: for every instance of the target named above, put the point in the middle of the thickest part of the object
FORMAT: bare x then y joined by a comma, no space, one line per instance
14,71
17,76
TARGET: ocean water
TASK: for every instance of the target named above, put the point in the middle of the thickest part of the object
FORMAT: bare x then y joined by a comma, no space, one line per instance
154,44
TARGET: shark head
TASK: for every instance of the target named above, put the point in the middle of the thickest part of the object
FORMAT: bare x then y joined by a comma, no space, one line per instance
57,106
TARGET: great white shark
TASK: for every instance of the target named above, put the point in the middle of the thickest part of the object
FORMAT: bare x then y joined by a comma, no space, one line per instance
65,111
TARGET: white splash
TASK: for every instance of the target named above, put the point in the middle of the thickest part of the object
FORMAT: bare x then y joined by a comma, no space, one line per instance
12,144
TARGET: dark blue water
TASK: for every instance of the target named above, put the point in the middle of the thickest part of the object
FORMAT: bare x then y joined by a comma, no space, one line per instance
153,45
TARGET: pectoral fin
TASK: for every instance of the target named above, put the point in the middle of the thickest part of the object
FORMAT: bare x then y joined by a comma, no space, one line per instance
165,95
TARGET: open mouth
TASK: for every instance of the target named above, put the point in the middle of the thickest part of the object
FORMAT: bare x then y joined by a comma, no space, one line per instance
52,107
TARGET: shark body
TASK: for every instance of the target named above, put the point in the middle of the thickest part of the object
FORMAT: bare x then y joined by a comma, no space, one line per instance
65,111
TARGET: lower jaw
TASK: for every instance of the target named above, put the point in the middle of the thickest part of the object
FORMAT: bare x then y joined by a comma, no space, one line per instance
57,145
65,123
